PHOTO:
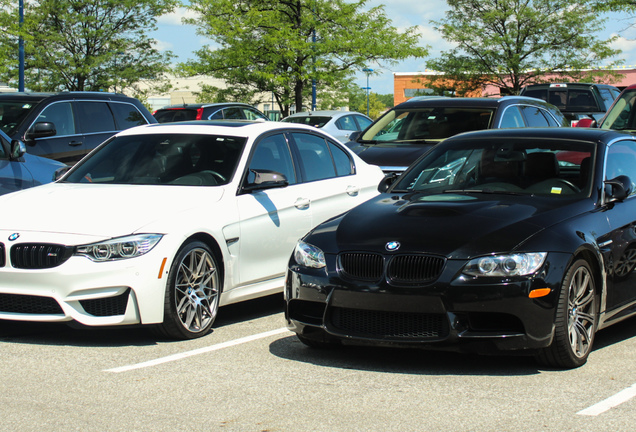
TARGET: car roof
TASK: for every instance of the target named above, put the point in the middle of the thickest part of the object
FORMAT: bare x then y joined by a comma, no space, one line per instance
464,102
566,133
241,128
204,105
568,84
39,96
330,113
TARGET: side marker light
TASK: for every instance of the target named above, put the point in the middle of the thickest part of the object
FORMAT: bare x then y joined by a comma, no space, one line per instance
163,264
541,292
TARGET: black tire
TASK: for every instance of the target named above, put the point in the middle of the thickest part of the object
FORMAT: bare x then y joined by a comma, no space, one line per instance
192,293
575,321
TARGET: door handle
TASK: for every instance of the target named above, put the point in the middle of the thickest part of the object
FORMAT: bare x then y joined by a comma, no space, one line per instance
353,190
75,143
302,203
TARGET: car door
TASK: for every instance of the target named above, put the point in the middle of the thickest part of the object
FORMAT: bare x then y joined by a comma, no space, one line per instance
329,175
621,160
13,174
67,145
271,220
95,122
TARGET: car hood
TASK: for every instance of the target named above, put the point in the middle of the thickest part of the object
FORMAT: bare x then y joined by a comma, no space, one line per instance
391,154
453,225
99,210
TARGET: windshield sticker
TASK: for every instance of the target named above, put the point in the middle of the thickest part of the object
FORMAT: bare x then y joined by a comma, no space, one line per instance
556,190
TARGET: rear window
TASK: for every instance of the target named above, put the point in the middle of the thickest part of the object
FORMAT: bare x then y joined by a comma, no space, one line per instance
567,99
127,115
175,114
317,121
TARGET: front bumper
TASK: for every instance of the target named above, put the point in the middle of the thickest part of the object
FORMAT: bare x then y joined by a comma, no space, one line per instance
121,292
455,313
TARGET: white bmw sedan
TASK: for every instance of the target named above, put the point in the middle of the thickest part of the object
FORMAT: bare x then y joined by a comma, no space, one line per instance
162,224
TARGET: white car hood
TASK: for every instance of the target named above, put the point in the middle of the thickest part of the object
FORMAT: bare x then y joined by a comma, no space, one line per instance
99,210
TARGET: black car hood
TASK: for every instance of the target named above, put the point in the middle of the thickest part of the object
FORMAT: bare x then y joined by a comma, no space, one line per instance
452,225
391,154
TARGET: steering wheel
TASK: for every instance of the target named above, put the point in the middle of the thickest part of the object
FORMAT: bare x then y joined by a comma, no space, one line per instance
574,188
215,174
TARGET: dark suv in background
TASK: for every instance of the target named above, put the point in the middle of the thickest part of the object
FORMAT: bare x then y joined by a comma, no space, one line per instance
66,126
208,111
575,100
410,129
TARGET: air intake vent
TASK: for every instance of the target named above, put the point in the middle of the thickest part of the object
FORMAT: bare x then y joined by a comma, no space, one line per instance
39,255
108,306
2,255
364,266
32,305
415,269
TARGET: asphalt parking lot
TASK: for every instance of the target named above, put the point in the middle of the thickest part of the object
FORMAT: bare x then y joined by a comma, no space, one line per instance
251,374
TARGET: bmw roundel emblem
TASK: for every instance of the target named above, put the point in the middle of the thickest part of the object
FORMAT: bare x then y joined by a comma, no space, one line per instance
392,246
14,236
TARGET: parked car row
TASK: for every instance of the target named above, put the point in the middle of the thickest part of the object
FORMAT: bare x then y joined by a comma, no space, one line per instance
518,240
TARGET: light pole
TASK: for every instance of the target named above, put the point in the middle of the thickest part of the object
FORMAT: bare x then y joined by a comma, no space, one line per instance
367,88
21,49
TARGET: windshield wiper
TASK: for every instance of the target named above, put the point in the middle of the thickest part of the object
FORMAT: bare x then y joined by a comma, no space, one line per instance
484,191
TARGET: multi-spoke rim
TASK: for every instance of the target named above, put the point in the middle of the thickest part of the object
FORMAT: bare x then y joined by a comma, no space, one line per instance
581,311
196,290
626,263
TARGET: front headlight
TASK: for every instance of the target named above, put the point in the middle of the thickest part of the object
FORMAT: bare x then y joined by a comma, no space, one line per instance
119,248
309,255
520,264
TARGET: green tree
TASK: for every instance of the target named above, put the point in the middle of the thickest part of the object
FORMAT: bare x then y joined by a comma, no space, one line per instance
512,43
376,106
268,45
89,44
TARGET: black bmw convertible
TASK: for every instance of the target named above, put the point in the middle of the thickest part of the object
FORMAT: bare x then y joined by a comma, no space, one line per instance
495,241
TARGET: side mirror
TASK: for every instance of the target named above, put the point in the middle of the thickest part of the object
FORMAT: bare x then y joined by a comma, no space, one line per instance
587,122
60,172
621,188
41,130
18,149
266,179
386,182
355,135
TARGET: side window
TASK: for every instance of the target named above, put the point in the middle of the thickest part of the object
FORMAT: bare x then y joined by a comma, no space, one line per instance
272,153
621,160
4,148
533,116
315,156
549,118
61,115
607,96
232,113
344,164
363,122
126,115
512,118
218,115
346,123
95,117
251,114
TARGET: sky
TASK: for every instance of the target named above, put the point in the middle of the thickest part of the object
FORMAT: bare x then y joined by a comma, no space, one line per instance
183,41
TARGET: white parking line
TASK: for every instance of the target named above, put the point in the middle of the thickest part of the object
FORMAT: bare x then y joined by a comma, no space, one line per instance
204,350
610,402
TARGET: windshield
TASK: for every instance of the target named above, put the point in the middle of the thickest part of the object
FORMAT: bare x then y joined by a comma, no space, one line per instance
427,124
622,116
317,121
12,113
162,159
528,167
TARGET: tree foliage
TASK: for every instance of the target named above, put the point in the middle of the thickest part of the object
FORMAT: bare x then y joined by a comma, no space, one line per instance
268,45
87,44
512,43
